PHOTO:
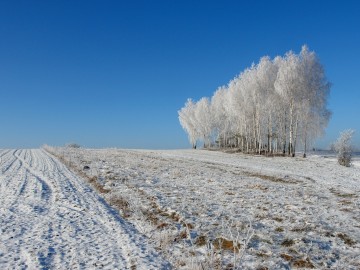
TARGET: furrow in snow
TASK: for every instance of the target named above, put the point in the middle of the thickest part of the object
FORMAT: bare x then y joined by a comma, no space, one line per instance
49,218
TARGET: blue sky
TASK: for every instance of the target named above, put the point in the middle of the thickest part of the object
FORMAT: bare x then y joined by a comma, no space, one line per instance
115,73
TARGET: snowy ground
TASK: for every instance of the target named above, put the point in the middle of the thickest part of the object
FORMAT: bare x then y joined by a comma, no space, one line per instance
213,210
196,209
51,219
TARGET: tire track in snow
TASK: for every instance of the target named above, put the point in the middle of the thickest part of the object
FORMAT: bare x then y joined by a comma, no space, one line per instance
9,160
49,218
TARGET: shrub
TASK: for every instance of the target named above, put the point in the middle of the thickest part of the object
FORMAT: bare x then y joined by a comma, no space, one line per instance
343,147
72,145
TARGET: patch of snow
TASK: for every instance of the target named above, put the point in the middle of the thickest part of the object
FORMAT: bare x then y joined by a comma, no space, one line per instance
277,212
51,219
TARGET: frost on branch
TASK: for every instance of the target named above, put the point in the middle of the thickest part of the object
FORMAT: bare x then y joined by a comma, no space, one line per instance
343,147
270,108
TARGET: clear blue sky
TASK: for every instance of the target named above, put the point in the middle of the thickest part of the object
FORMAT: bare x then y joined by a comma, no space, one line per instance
115,73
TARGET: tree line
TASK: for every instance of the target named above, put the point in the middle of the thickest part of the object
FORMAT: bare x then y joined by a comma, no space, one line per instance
275,106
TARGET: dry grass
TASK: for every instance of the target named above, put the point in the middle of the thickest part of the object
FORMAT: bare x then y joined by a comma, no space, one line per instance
162,225
297,262
262,268
347,240
271,178
183,235
288,243
286,257
225,244
345,202
278,219
342,194
200,240
93,181
303,263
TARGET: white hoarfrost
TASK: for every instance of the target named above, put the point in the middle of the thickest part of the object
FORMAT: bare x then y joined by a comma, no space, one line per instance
51,219
344,148
278,105
214,210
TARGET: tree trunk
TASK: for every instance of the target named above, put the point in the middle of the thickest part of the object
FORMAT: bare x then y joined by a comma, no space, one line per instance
242,143
284,136
295,136
305,141
291,127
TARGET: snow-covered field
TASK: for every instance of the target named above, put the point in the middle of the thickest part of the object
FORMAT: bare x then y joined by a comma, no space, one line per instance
213,210
51,219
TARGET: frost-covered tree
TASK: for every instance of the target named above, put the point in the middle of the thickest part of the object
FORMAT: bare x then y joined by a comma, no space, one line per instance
188,121
204,120
220,115
344,148
266,73
314,115
269,107
288,85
